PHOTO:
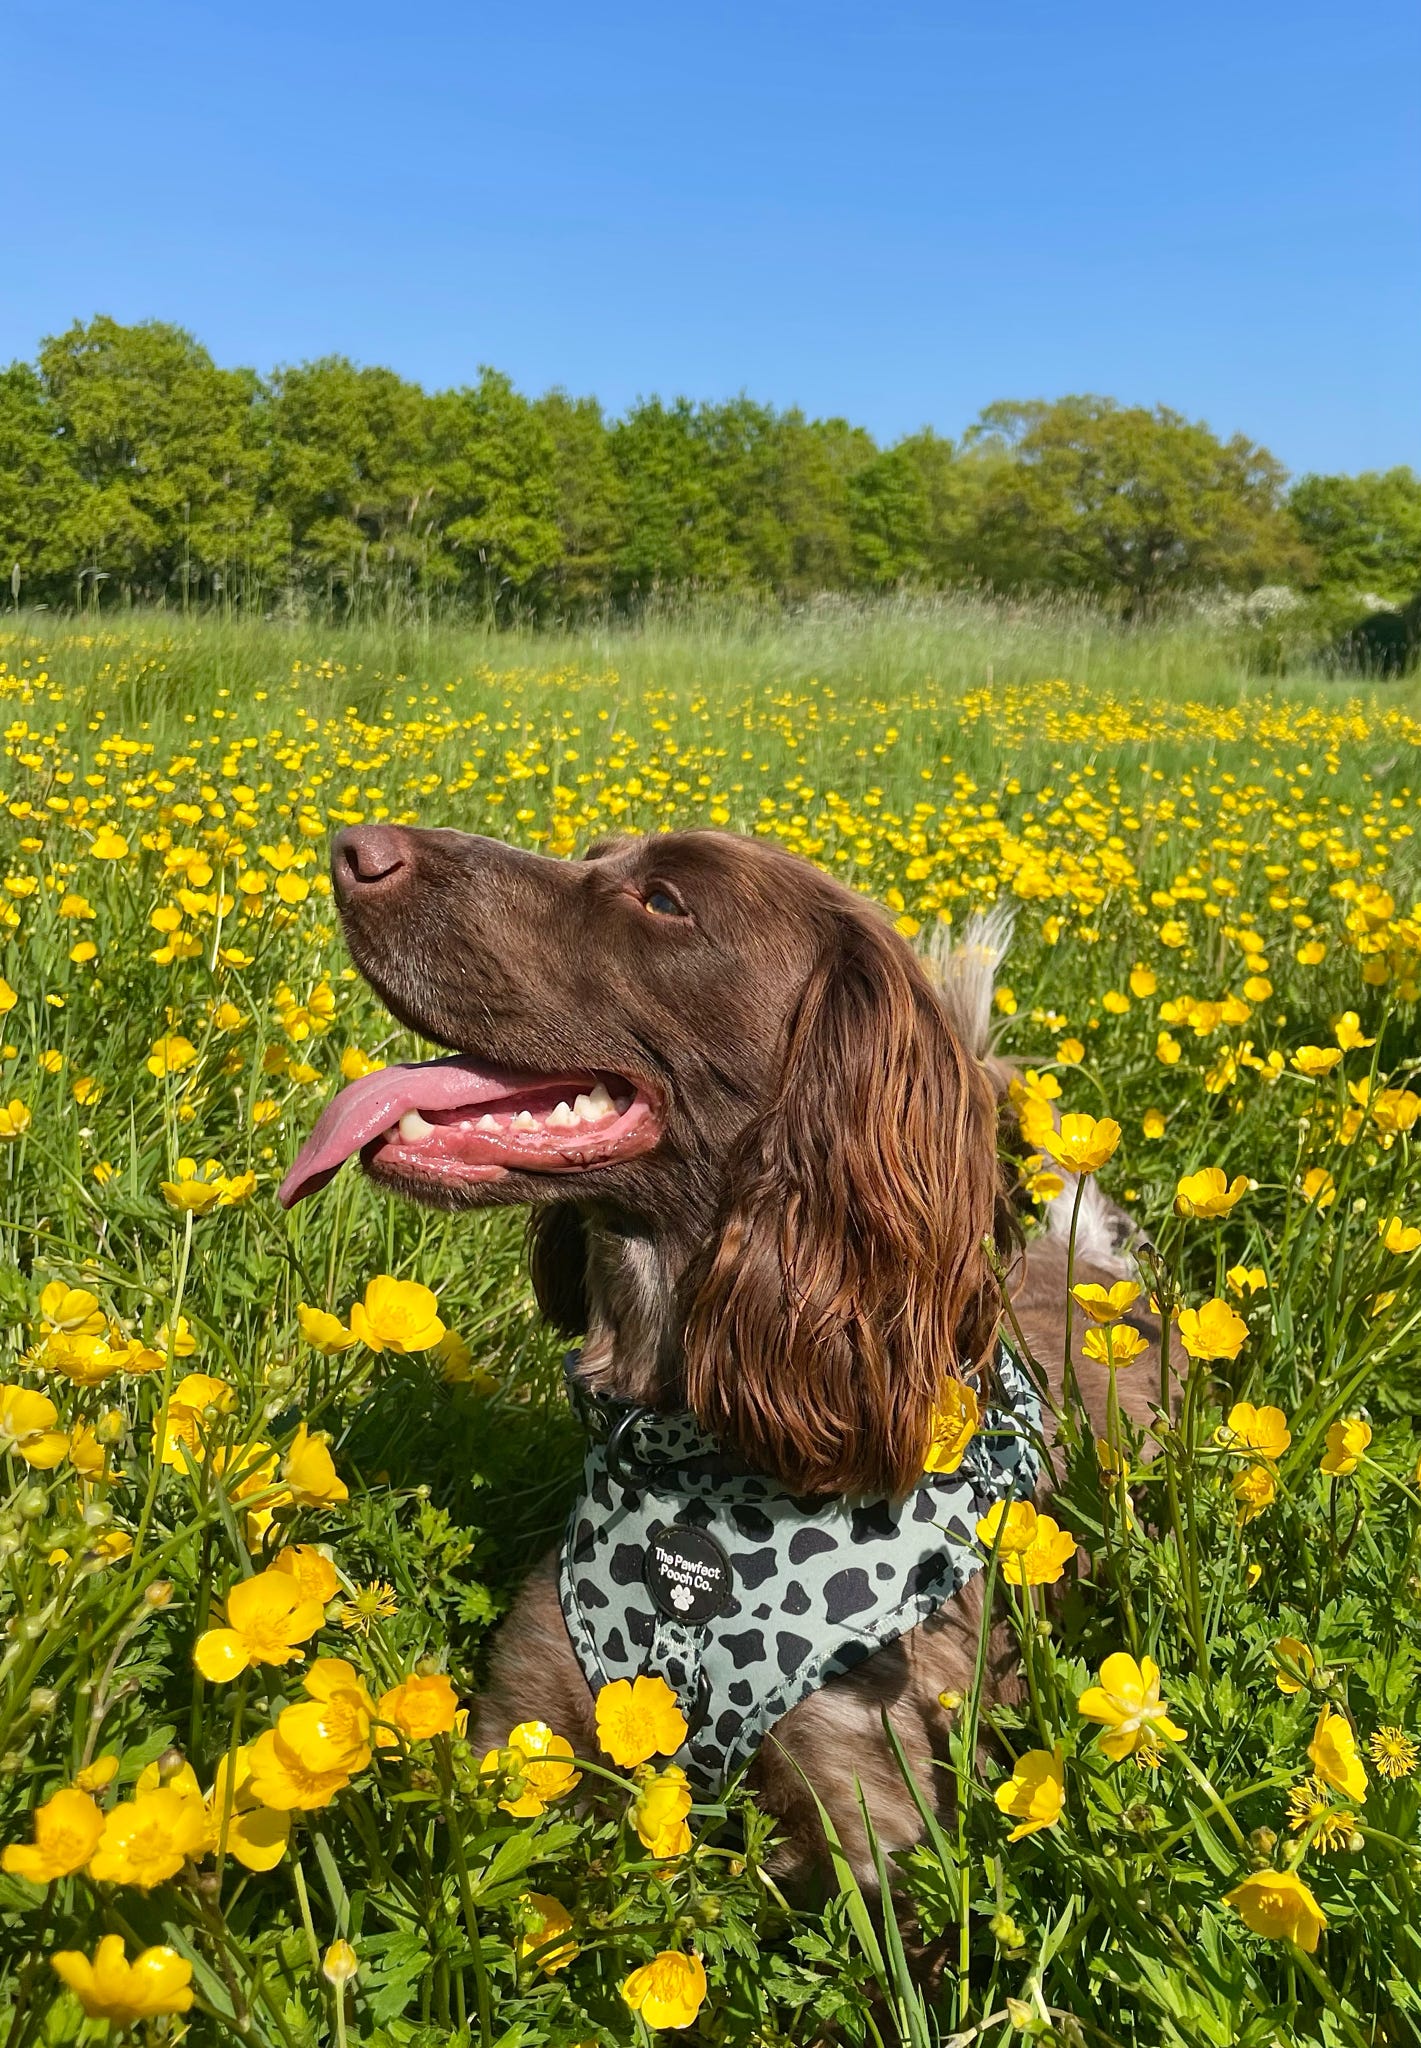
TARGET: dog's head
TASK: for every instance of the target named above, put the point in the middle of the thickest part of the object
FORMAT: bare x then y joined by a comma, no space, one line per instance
703,1042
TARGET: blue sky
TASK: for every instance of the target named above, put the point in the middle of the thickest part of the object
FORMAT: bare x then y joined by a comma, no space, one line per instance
897,212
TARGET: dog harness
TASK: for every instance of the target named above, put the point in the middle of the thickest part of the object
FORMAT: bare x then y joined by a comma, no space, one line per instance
744,1596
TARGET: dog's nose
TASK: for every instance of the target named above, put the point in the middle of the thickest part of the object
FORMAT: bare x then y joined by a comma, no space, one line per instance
365,857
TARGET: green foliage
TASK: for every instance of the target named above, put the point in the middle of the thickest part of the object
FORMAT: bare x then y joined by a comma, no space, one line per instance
133,469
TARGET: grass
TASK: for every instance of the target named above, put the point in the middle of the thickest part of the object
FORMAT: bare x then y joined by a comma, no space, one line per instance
1209,870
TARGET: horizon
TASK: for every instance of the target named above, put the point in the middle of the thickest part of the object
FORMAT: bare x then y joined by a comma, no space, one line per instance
855,220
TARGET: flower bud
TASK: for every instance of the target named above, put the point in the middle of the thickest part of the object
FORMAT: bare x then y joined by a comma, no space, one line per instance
949,1701
1006,1933
111,1426
170,1763
43,1700
1261,1844
339,1964
158,1594
33,1503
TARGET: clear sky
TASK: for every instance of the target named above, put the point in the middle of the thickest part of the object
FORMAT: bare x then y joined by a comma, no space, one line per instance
893,211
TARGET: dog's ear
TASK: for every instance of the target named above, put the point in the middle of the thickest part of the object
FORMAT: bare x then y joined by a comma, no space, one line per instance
557,1265
847,1280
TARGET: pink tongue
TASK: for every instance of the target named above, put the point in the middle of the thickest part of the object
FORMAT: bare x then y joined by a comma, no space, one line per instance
369,1106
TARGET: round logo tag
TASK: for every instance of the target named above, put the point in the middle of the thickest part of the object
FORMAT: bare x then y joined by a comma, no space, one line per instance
687,1573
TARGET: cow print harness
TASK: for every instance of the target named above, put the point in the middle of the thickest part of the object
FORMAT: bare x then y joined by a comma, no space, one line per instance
745,1597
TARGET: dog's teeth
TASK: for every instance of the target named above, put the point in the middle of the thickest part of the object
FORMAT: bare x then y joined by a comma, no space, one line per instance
561,1118
622,1103
585,1110
487,1123
525,1121
601,1101
413,1128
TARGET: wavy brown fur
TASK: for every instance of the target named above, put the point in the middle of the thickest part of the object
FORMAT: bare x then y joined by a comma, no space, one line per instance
847,1280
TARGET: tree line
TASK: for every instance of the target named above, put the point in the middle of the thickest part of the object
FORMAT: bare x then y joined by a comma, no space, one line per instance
135,469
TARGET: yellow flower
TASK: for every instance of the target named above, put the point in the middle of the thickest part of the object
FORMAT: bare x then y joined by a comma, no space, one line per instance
279,1779
310,1474
1209,1192
1070,1052
1246,1279
1347,1441
27,1426
1167,1050
1300,1657
1083,1143
1394,1752
1106,1304
100,1773
1348,1032
109,845
323,1332
67,1830
1316,1060
668,1991
1213,1331
148,1838
540,1760
1319,1187
331,1730
73,1310
197,1401
1278,1905
1118,1344
1016,1523
1034,1796
1333,1751
8,998
1255,1489
1127,1700
1142,982
355,1065
954,1424
1263,1432
421,1707
547,1921
1397,1236
659,1815
256,1835
1039,1182
14,1119
339,1964
267,1618
1153,1123
1045,1557
638,1719
157,1981
171,1054
313,1572
397,1315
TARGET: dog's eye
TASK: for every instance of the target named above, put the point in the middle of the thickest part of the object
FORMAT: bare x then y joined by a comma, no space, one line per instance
661,905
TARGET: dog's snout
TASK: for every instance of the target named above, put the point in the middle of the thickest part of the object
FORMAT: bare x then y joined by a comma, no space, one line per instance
367,857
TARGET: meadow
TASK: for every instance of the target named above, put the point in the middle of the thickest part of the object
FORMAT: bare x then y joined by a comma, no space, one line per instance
270,1480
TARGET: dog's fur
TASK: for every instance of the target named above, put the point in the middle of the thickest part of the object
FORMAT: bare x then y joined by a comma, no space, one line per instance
801,1260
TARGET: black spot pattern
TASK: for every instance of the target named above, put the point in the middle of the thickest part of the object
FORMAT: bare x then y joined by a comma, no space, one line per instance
854,1575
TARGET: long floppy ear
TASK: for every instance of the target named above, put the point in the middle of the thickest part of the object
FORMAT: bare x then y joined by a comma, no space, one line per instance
557,1266
848,1281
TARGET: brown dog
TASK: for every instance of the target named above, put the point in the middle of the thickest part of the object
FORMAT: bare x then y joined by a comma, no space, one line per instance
759,1145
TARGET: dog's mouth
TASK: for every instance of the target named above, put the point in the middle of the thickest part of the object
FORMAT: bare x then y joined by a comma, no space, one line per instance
452,1123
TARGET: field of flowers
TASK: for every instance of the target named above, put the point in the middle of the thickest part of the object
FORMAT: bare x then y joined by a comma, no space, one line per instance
269,1480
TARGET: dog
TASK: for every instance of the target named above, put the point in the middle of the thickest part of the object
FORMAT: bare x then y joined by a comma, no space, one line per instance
758,1140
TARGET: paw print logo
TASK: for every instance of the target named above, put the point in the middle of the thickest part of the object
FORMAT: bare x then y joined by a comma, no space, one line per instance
682,1598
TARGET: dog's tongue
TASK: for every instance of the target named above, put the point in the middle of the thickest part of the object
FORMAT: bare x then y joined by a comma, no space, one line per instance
372,1105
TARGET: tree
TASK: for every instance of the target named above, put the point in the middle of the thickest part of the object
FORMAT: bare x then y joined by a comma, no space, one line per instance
38,489
1364,532
677,527
351,477
495,490
590,495
1130,505
165,450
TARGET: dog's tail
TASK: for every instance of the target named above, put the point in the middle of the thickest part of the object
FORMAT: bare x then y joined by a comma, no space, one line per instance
964,966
